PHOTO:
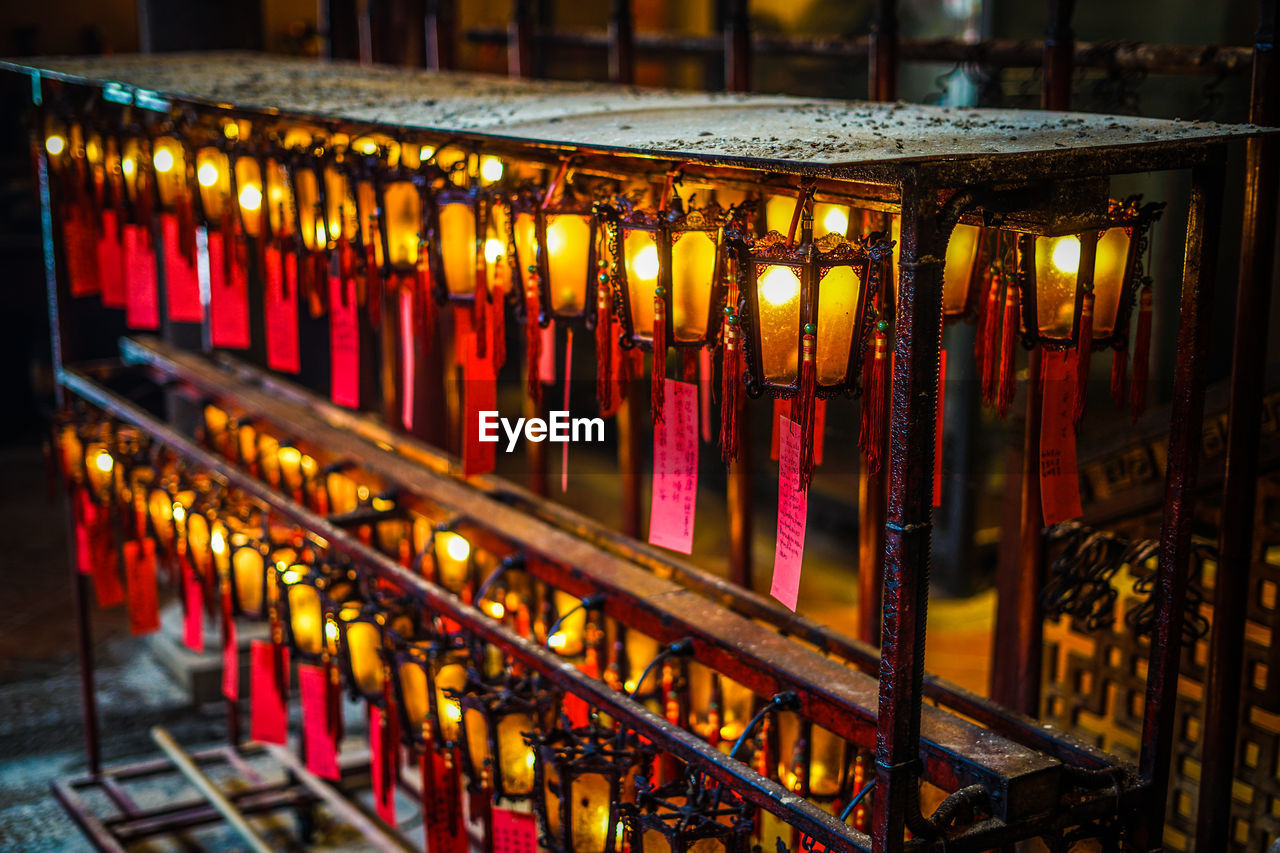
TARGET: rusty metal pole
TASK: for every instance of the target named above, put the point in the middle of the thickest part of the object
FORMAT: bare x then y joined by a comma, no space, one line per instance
882,65
441,35
622,57
1174,558
1236,548
908,527
520,39
737,47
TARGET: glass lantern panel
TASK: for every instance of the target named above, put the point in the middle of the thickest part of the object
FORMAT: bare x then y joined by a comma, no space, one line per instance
248,569
307,198
458,247
962,251
413,683
788,739
826,765
453,560
693,270
837,321
279,199
570,638
170,169
306,619
403,221
830,219
640,253
778,211
592,812
129,156
778,310
451,677
367,205
477,739
249,194
1110,265
568,249
551,798
706,845
343,493
517,756
160,508
641,649
364,641
496,263
198,543
1057,266
340,205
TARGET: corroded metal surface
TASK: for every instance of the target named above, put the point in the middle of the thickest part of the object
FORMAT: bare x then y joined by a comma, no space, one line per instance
785,133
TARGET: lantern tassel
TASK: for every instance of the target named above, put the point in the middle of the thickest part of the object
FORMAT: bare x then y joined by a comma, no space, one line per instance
730,391
806,402
1085,355
659,355
604,351
480,307
186,227
985,340
1119,374
1008,354
1141,354
876,385
532,340
373,285
498,315
425,301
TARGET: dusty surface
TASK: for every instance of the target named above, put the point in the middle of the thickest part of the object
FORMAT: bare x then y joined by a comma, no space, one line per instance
690,125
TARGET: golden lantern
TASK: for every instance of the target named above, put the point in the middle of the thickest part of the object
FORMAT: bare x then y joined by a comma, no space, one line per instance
812,761
213,180
469,226
427,675
669,258
566,257
686,816
496,716
247,189
307,593
400,192
581,778
169,166
454,559
821,287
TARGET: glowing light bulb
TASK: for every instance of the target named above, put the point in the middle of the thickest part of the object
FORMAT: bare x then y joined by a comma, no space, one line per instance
425,152
231,130
55,145
557,640
453,711
493,250
367,146
250,197
495,609
331,632
779,285
629,686
529,759
207,174
322,236
163,159
217,542
491,169
555,238
179,512
291,576
645,264
456,547
290,456
127,166
1066,255
836,221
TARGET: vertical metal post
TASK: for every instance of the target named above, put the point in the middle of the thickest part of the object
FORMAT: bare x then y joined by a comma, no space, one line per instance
520,39
364,32
441,31
883,56
622,57
1059,56
1236,549
737,47
909,515
1186,424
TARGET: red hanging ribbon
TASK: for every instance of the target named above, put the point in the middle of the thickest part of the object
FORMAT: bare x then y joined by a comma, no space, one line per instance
1008,353
604,349
804,405
659,373
730,391
984,344
874,399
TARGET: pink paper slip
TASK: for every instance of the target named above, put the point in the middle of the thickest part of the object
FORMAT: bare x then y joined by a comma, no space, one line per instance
675,468
408,356
269,714
1059,478
793,511
344,344
282,310
321,751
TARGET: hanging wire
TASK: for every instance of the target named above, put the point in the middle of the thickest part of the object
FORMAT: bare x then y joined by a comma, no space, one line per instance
679,648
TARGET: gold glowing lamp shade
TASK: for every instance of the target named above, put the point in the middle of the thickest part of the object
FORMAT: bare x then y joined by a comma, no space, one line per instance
213,180
169,164
1056,272
497,714
824,285
427,675
360,629
454,558
567,262
462,226
400,216
307,594
686,816
581,778
672,255
247,185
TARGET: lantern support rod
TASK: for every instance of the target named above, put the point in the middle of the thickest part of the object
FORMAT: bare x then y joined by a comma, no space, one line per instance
680,648
683,745
589,602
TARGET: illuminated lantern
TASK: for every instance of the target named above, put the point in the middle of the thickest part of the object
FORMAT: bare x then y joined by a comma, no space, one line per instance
566,262
360,637
686,816
248,567
453,559
428,674
496,716
400,218
306,594
462,228
213,178
804,315
581,778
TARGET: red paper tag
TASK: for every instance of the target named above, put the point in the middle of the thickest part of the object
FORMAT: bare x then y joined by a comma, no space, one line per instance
79,251
111,263
318,728
1059,478
181,284
478,457
442,803
381,746
937,430
269,686
344,343
85,516
228,297
193,616
514,832
675,468
142,309
103,564
547,355
282,310
140,573
408,356
793,511
230,659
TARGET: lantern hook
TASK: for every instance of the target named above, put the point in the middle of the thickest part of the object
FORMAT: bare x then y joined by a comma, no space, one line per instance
680,648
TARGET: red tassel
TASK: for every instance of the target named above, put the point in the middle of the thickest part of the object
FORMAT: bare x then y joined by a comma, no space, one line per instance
186,227
730,391
659,356
480,308
1141,354
805,403
604,351
874,397
425,299
374,290
985,343
1008,353
1119,375
532,340
1085,354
